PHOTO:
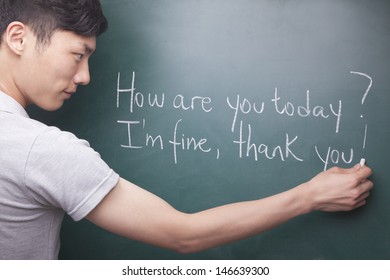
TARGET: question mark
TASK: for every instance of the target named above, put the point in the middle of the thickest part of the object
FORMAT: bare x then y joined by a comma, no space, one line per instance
363,99
368,88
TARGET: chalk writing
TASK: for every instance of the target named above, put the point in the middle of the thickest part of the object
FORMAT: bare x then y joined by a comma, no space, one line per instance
150,141
363,99
187,143
334,156
137,99
204,103
248,134
281,152
244,106
305,111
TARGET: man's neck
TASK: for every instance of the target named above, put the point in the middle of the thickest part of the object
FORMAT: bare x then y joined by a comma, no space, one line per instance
7,83
7,88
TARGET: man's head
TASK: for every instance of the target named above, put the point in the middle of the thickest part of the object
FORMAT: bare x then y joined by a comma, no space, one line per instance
45,48
83,17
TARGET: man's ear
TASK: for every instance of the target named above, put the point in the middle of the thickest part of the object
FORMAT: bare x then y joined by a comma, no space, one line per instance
15,37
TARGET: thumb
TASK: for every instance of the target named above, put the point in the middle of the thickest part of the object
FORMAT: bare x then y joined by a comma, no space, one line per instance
350,170
360,164
357,167
364,172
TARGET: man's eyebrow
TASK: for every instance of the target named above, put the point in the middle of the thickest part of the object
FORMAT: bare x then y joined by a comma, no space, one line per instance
88,50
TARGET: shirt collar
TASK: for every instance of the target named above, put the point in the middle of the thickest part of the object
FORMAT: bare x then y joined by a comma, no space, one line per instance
10,105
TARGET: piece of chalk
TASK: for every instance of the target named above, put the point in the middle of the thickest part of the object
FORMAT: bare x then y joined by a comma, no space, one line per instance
362,162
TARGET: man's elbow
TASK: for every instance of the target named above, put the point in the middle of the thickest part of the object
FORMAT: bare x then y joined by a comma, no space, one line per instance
186,246
186,238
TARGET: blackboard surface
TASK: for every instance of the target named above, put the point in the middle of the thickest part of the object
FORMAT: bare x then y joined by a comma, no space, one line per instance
207,102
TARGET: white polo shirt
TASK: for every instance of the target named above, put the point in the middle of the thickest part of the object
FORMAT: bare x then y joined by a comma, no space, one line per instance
44,172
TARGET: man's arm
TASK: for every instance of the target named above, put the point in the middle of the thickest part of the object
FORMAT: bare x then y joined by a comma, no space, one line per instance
135,213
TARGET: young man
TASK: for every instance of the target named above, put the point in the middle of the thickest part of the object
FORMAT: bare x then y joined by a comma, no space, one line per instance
44,50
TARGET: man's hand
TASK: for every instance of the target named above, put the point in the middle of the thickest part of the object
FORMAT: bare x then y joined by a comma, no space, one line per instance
339,189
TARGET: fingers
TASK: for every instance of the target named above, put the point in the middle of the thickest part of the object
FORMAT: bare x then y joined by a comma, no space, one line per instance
356,168
362,175
363,196
364,190
361,201
364,172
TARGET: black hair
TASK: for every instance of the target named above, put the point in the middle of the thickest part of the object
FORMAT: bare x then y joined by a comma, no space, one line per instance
84,17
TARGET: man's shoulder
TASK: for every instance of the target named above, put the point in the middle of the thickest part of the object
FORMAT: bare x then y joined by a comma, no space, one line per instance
27,133
20,128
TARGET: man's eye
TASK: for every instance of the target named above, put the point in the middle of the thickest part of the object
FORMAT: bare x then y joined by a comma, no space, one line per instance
79,56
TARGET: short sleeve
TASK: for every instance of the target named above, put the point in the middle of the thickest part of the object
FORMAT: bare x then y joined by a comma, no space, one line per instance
64,172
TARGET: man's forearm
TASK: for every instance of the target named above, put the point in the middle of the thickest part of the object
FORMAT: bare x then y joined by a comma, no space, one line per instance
236,221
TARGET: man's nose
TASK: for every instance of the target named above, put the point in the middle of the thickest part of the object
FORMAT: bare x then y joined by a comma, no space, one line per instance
82,76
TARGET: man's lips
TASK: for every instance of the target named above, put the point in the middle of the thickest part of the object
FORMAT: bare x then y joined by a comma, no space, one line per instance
69,93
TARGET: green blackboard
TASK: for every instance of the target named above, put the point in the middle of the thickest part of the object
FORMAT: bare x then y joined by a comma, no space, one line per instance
207,102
